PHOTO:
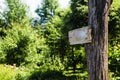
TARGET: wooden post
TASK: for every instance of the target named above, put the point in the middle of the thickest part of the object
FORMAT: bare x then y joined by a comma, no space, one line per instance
97,51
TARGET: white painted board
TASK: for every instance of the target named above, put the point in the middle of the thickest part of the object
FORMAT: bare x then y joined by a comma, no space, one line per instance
80,36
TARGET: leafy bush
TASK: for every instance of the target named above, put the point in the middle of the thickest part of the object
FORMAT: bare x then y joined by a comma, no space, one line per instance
114,41
7,72
22,45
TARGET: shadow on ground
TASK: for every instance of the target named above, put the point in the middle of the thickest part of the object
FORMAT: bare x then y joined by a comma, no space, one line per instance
51,75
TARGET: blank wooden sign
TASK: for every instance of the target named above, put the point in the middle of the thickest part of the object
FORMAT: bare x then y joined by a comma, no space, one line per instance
80,36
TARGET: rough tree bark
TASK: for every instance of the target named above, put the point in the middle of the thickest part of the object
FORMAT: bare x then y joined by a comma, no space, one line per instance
97,51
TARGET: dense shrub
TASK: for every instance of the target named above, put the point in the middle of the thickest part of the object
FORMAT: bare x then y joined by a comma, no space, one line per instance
114,40
7,72
22,45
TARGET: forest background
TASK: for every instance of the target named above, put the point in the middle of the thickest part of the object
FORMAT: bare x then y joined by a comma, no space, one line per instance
38,48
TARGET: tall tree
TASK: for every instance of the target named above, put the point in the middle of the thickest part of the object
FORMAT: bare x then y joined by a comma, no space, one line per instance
15,12
97,51
79,16
47,11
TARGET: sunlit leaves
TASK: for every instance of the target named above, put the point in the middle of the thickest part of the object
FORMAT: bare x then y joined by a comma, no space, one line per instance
114,40
14,12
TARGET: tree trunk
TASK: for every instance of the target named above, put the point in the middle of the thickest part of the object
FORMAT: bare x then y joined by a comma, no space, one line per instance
97,51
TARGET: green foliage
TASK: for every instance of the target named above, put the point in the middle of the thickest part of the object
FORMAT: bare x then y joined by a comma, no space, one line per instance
56,34
21,44
114,20
15,13
24,45
43,51
48,75
47,11
79,16
114,41
53,34
112,76
114,58
7,73
53,75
